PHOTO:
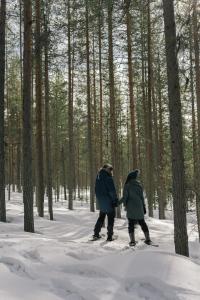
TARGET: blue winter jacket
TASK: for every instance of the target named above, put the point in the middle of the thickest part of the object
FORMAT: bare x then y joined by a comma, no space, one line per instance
105,191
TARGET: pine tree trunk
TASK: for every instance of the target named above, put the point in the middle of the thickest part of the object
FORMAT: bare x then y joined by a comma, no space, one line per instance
129,161
196,156
89,115
8,140
78,168
161,183
100,84
27,128
144,105
70,119
72,95
197,64
155,138
47,124
13,167
2,100
19,151
95,139
39,138
18,171
56,150
150,181
176,134
131,96
113,121
63,172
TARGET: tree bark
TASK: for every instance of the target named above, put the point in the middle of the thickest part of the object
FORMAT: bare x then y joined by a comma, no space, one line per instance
19,151
196,156
70,118
161,177
47,123
197,64
63,171
2,116
150,179
144,100
89,116
176,134
131,95
39,138
100,84
113,121
27,120
95,125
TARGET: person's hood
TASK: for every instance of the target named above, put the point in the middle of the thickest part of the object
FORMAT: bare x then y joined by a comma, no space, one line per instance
103,172
133,174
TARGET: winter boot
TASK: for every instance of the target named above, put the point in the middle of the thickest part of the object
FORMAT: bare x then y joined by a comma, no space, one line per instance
109,238
110,234
96,236
147,238
132,239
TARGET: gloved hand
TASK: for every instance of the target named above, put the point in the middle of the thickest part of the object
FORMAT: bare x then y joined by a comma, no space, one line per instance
144,207
115,203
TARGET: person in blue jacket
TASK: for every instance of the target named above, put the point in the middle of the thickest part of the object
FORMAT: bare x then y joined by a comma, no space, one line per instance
107,199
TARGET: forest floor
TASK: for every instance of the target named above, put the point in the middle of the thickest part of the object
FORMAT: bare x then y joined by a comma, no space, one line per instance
58,261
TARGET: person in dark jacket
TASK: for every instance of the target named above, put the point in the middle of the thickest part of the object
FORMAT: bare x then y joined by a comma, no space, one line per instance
133,200
107,200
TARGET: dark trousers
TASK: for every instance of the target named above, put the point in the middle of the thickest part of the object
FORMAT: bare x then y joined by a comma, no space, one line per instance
132,223
100,221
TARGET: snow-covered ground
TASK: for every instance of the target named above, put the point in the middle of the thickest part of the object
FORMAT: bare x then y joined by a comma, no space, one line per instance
58,262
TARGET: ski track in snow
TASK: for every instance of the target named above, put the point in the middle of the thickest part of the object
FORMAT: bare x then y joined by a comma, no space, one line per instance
59,262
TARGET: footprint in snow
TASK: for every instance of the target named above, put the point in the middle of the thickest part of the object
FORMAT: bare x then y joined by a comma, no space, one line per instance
15,266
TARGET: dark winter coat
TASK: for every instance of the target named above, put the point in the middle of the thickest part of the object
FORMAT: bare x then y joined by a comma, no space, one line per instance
105,192
133,200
